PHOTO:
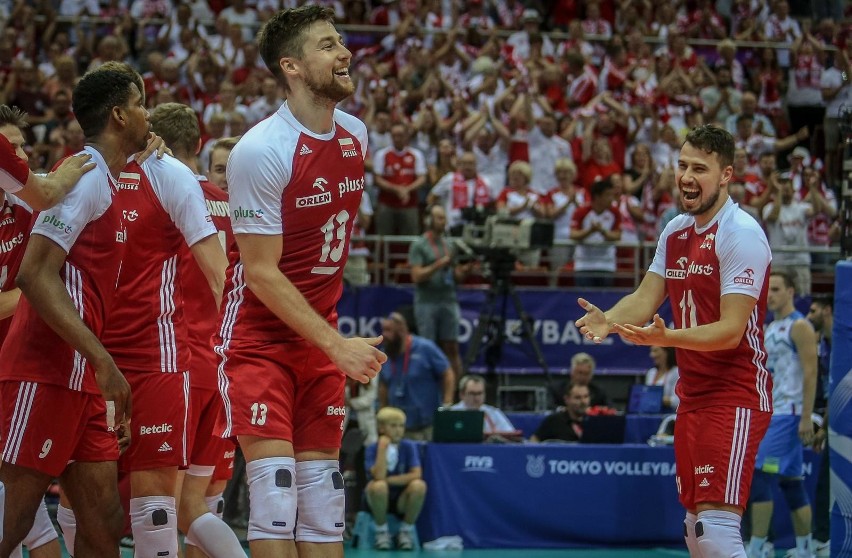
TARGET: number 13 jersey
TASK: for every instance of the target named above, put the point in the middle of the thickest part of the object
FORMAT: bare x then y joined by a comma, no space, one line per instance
285,180
700,265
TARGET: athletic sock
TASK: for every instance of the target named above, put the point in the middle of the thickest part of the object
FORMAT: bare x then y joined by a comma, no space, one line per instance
68,523
755,546
804,546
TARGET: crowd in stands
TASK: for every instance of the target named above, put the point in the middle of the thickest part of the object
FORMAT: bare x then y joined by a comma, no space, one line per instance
548,96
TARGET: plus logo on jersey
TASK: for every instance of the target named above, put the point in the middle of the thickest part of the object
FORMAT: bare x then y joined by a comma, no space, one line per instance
131,215
347,146
54,222
242,213
349,185
314,200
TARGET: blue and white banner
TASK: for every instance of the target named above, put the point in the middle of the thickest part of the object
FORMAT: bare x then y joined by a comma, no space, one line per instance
553,313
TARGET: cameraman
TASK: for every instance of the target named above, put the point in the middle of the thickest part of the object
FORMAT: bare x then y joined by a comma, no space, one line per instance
436,309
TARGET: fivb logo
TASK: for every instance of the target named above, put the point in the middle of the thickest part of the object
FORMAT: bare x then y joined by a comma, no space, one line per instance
315,199
479,463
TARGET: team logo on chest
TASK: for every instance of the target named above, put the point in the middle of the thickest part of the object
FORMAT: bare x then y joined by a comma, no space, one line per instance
707,243
128,181
347,146
313,200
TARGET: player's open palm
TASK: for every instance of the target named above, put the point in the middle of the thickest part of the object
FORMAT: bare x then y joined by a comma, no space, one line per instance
593,325
359,358
116,393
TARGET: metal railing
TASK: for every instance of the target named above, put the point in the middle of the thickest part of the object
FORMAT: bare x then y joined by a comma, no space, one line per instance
388,264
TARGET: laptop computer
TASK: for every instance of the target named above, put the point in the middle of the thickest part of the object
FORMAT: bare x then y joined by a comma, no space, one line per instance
457,426
645,399
603,429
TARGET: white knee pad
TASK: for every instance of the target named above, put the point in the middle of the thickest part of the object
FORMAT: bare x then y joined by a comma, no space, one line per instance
68,523
272,498
42,531
154,523
321,502
718,534
216,504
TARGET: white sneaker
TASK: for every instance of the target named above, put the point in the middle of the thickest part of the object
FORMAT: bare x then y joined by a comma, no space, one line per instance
383,540
822,549
794,553
404,541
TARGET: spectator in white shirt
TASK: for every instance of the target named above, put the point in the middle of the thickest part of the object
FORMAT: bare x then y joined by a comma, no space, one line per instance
472,395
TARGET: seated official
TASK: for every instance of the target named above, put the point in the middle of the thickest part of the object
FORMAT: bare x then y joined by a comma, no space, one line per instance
582,372
472,394
395,479
567,424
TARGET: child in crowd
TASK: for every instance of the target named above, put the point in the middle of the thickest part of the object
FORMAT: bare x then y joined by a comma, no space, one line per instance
395,484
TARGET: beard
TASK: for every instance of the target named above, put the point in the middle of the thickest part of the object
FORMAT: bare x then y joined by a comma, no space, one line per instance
707,205
393,347
329,89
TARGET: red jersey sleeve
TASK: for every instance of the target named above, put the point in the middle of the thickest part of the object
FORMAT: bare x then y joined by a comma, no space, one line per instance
15,170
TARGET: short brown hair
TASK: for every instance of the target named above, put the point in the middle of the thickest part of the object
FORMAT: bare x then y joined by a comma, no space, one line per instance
177,124
13,116
283,36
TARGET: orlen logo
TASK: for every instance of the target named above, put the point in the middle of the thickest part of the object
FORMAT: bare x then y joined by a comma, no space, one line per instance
316,199
53,221
335,411
746,278
678,273
156,429
704,470
349,185
241,213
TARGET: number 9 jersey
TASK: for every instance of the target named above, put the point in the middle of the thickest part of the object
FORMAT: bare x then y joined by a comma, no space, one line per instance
285,180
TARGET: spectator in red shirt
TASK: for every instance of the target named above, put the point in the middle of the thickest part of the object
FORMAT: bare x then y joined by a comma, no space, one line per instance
399,171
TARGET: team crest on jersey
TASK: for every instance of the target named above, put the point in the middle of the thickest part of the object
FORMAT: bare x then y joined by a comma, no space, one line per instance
128,181
745,278
707,243
347,146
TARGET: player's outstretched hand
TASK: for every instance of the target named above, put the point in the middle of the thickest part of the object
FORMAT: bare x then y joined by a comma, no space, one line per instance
72,168
593,325
359,358
156,144
651,334
116,393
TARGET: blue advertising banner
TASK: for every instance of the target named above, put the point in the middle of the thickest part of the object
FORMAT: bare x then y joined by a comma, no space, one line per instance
559,496
552,312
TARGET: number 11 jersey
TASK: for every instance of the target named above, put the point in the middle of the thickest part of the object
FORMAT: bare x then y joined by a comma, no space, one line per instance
700,265
285,180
